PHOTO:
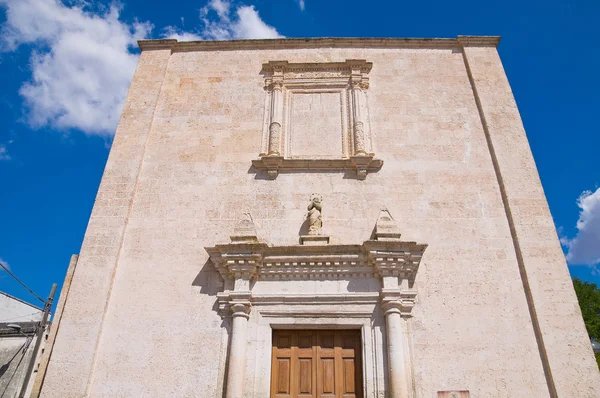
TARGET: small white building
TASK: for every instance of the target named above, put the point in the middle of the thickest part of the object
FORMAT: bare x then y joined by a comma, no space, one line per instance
19,322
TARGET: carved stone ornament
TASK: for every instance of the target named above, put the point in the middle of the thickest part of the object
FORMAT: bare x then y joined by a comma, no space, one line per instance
314,215
317,118
384,256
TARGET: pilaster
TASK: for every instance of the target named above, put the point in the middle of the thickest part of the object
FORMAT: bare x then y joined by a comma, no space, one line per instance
565,352
83,316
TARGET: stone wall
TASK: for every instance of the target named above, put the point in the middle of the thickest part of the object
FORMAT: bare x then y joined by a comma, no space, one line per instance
140,319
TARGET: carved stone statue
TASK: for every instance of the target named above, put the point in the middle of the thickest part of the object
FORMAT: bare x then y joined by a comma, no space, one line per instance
315,222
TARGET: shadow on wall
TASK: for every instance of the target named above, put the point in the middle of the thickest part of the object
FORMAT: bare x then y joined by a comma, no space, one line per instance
303,228
210,282
262,174
361,285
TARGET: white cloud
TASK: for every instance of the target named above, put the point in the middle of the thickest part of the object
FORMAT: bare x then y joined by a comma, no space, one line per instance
5,264
584,248
3,156
222,8
221,21
172,32
250,26
301,4
81,63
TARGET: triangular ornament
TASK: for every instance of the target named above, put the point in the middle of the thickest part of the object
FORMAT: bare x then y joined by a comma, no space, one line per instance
386,228
244,231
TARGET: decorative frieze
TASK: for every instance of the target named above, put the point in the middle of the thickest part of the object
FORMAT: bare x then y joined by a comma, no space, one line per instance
385,256
317,118
262,262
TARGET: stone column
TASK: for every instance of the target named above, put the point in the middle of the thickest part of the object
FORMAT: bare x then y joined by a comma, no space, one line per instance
276,118
236,372
398,373
359,131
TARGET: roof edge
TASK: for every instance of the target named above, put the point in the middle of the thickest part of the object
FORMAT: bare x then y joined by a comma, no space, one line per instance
478,41
251,44
41,309
162,44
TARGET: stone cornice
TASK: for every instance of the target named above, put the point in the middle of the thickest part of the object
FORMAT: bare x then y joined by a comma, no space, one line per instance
163,44
478,41
370,259
348,65
258,44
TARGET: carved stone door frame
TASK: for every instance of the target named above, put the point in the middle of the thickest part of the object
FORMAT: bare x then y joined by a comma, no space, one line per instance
369,320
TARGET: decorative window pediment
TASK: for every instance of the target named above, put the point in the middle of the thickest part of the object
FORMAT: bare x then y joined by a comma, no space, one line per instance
317,118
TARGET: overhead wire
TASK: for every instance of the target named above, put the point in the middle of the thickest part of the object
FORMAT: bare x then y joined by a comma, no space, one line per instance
22,284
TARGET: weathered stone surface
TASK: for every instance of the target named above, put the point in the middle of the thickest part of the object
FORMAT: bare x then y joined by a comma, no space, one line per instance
141,320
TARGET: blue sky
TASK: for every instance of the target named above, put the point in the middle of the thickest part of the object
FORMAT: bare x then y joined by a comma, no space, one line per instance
65,68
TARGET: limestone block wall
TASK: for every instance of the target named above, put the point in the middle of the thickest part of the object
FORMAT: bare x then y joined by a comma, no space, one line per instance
496,312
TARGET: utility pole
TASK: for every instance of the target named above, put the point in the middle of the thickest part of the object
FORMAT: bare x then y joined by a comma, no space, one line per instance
38,341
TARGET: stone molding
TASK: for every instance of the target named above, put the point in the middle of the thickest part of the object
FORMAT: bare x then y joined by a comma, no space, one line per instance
371,259
297,305
213,45
321,299
385,257
283,82
478,41
273,165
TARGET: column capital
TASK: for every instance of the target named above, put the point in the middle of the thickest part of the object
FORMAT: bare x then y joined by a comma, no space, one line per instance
277,84
240,308
396,301
235,303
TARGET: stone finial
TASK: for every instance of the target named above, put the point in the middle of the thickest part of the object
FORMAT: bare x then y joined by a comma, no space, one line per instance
244,231
386,228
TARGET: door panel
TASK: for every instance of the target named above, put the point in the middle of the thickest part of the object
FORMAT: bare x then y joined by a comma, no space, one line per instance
305,387
281,366
283,376
316,364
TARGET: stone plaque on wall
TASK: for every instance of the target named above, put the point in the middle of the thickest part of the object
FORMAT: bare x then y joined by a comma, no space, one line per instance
316,126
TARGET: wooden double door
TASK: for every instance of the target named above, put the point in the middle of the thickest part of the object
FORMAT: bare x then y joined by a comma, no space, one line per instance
316,363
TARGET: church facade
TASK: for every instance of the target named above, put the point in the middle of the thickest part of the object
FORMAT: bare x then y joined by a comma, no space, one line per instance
321,218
